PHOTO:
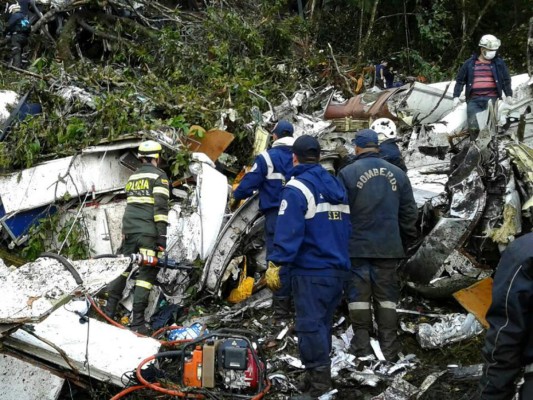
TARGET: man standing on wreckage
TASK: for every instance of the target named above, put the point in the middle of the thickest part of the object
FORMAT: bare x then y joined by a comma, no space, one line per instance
311,240
269,173
508,346
486,78
144,228
383,214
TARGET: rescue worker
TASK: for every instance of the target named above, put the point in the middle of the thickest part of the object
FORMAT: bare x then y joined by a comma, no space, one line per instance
486,78
19,28
508,349
387,139
144,226
311,240
269,173
383,215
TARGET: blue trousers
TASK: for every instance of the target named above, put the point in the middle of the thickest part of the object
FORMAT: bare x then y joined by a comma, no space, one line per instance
315,301
271,217
474,106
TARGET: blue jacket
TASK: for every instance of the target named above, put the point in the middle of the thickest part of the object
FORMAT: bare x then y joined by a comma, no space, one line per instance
383,210
313,224
389,151
18,23
465,76
509,340
269,173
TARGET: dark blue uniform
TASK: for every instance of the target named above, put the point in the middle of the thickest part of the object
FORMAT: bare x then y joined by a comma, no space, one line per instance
509,341
383,215
312,241
269,173
18,26
389,151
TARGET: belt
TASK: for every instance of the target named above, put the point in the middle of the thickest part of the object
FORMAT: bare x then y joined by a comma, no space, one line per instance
529,368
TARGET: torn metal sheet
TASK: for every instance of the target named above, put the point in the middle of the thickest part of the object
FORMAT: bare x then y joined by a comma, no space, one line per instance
29,294
99,350
20,380
399,389
70,176
467,372
74,94
522,157
450,329
423,103
212,143
18,224
430,380
231,237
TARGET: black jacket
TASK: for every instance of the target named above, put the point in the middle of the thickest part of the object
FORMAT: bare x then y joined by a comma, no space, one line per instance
509,340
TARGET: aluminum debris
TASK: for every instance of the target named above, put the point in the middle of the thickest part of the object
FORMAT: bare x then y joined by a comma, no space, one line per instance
450,329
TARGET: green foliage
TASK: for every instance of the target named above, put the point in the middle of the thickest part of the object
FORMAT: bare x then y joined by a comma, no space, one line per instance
51,232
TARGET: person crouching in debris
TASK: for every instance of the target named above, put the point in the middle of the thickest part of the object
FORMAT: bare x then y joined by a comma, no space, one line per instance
269,173
508,349
144,226
18,28
387,139
383,215
311,240
486,78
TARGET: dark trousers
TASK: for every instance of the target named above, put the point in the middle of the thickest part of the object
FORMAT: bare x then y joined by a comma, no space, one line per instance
146,276
374,280
18,42
271,218
474,106
315,301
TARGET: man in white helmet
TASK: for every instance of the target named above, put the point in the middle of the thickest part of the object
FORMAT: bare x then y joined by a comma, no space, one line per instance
18,30
486,78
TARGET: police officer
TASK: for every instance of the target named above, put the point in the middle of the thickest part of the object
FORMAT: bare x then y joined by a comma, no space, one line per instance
383,215
311,240
144,226
508,349
269,173
19,27
387,140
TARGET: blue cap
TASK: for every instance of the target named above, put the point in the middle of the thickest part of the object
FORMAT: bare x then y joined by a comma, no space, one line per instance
283,128
366,138
306,148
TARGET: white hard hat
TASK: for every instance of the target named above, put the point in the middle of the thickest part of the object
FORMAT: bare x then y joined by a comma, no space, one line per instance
13,8
385,128
490,42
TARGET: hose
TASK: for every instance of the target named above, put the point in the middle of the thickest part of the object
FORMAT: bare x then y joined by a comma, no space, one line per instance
67,265
127,391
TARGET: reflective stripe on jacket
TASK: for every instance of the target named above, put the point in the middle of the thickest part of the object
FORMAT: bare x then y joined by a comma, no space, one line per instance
147,202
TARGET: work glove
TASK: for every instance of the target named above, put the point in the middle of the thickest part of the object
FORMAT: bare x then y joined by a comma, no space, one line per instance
272,276
342,150
456,102
508,100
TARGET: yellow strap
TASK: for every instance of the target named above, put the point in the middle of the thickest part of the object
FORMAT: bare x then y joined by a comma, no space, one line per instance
140,200
161,218
126,274
163,191
146,252
144,284
149,175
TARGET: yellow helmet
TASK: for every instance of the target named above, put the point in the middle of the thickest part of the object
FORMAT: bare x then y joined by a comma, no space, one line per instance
149,149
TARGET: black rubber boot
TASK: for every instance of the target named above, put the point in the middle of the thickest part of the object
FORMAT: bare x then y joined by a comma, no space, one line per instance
387,320
282,307
138,323
111,306
362,326
319,382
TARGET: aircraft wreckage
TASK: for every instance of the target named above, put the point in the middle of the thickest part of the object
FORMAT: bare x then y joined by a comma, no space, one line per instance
473,197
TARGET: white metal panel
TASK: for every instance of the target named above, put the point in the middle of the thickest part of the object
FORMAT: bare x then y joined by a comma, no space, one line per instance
20,380
99,350
104,227
8,99
47,182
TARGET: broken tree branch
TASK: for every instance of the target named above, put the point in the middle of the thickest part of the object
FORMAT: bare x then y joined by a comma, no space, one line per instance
346,80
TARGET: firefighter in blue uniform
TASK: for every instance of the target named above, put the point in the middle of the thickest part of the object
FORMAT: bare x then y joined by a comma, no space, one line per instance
383,215
19,28
269,173
144,226
311,241
508,349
